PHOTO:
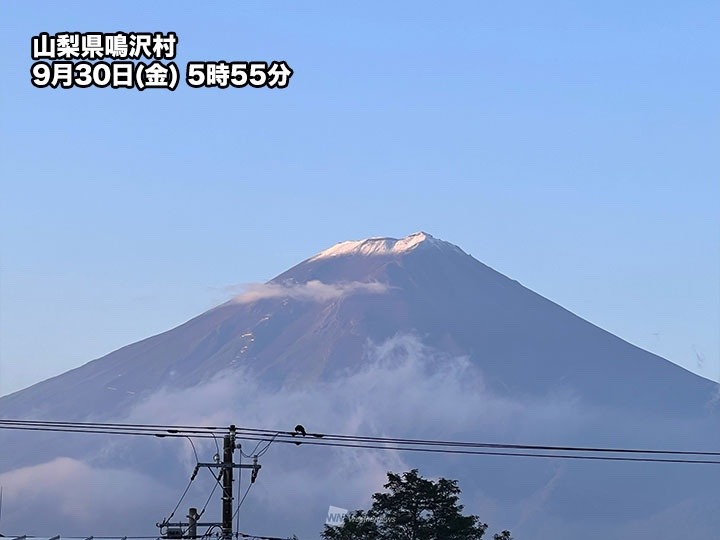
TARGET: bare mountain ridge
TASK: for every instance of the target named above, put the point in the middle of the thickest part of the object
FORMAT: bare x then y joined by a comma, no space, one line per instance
315,320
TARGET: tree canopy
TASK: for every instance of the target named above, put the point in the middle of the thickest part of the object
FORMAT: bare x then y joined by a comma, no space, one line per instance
412,508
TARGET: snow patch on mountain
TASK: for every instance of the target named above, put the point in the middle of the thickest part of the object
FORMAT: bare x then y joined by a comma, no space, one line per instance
384,246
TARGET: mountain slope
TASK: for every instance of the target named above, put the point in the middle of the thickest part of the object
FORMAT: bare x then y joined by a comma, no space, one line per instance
316,319
403,337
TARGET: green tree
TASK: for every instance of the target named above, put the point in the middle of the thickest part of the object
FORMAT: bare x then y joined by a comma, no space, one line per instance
413,508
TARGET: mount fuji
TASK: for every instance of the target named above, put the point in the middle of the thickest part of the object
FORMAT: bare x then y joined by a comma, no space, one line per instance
407,337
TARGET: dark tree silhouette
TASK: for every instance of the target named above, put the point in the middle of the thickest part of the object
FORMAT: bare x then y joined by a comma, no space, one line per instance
413,508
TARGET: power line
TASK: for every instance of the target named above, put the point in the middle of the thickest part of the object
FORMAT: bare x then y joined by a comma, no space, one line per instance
430,442
255,537
512,454
377,443
124,537
192,479
103,431
155,430
192,444
217,429
181,499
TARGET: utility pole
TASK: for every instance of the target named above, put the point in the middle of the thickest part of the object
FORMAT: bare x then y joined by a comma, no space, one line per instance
189,530
227,483
192,523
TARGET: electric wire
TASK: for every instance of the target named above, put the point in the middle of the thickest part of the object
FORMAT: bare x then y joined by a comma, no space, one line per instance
236,515
197,459
430,442
93,427
267,446
117,537
217,483
254,451
267,437
187,488
209,530
120,425
101,431
180,501
217,446
242,500
514,454
264,438
255,537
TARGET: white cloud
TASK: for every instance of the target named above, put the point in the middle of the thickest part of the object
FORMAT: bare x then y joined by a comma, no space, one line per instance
70,497
314,290
403,389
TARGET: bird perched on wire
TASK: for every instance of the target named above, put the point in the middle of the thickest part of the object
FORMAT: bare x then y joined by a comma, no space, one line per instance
299,430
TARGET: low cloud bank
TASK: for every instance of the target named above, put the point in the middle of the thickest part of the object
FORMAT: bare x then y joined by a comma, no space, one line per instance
67,496
404,389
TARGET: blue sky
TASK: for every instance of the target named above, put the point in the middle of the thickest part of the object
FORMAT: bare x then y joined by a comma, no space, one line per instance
572,147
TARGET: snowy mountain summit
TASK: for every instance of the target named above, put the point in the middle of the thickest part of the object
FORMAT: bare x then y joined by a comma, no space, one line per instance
385,246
